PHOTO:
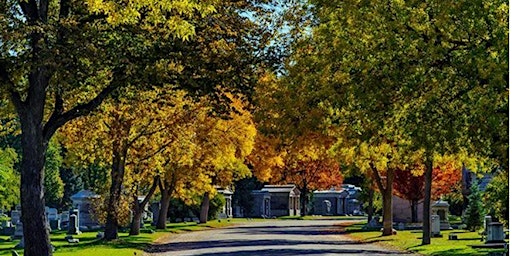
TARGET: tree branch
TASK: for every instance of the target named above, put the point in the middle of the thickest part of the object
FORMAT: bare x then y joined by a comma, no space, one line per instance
80,110
29,8
377,178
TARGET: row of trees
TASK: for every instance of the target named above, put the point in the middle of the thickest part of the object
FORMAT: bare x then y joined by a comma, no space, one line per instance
166,96
404,86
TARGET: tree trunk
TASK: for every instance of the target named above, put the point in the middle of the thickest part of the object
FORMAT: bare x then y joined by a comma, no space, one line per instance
117,173
387,196
304,201
135,225
414,211
426,202
165,202
138,208
35,232
205,206
370,203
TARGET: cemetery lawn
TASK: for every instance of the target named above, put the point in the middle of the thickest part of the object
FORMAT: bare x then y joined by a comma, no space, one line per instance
410,240
125,246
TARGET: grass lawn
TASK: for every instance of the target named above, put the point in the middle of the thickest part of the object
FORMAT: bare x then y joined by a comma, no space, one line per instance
125,246
411,240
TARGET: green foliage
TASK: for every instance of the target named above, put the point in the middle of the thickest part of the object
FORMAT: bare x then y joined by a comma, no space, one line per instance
216,205
9,179
242,195
53,184
473,218
496,197
180,209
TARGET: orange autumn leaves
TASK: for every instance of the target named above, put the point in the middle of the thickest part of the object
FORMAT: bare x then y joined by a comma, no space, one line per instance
409,185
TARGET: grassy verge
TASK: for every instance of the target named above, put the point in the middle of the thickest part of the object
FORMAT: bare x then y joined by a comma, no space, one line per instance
124,246
410,240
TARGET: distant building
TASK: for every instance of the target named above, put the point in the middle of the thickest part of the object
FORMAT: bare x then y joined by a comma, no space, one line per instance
227,209
284,199
261,204
353,205
330,202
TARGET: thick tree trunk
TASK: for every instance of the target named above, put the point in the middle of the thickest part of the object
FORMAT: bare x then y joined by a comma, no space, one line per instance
205,206
35,232
370,203
138,208
426,202
135,225
34,142
117,173
165,202
414,211
387,196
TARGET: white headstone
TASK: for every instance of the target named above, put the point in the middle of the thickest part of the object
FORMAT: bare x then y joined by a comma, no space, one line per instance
436,225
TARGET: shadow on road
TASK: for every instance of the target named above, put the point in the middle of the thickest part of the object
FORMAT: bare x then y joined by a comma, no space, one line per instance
292,240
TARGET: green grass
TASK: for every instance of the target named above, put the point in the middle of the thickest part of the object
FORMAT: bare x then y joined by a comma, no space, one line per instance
124,246
410,240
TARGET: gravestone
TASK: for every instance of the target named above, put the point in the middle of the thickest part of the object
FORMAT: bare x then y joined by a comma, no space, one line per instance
53,214
374,222
155,208
15,217
75,212
73,228
18,231
495,233
487,221
441,208
436,226
55,224
401,226
83,202
64,220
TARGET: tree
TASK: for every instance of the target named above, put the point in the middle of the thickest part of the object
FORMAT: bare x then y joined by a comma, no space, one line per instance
53,184
409,183
309,167
474,215
53,71
132,135
9,179
496,197
410,71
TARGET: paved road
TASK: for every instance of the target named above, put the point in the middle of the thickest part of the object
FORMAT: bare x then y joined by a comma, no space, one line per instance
276,237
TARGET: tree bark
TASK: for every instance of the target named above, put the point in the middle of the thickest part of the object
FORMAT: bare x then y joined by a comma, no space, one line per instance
138,208
117,176
370,203
429,164
304,201
205,206
387,196
414,211
165,202
35,232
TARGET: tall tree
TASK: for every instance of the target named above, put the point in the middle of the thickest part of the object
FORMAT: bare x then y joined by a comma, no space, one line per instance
57,63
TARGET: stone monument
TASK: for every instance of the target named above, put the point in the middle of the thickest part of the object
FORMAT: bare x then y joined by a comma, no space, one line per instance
436,226
73,227
440,208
